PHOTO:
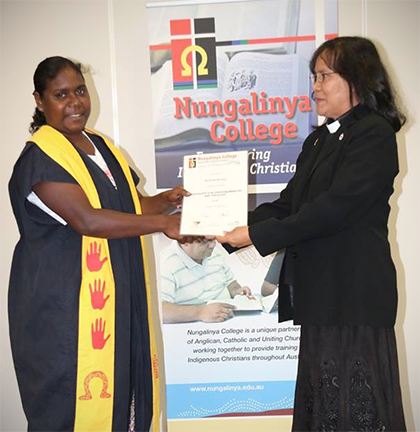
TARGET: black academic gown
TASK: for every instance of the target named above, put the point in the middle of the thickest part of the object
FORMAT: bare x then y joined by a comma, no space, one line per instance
44,300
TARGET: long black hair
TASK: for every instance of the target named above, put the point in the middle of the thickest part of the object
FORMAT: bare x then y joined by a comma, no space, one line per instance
357,60
47,70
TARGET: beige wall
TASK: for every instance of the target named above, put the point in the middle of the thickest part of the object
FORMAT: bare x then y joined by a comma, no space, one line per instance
111,37
394,25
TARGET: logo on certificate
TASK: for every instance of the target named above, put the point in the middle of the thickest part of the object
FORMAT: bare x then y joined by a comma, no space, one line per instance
192,162
193,46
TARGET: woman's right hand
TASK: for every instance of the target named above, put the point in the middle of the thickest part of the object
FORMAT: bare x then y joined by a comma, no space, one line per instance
238,237
172,227
173,223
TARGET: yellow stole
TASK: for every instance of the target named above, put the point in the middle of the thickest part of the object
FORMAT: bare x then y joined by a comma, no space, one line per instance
96,337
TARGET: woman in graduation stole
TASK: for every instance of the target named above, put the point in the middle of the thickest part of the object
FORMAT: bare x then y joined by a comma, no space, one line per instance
79,298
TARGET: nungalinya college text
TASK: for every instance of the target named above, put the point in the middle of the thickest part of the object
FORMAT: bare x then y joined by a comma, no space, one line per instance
240,111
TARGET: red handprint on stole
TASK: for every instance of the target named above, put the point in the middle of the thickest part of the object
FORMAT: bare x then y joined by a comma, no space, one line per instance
93,258
98,341
97,295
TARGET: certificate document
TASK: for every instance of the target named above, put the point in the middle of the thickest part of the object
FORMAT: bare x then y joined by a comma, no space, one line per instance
218,183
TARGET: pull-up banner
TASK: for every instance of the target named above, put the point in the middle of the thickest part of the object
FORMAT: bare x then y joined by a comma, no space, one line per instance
229,76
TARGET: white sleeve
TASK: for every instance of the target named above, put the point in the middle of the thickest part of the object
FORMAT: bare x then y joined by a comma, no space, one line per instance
34,199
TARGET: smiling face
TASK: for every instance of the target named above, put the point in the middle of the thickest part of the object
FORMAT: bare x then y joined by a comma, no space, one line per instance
65,102
332,96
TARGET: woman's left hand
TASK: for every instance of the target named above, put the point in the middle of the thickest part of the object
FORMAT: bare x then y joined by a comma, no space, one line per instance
239,237
174,196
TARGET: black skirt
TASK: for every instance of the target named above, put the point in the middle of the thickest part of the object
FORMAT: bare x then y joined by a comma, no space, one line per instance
348,380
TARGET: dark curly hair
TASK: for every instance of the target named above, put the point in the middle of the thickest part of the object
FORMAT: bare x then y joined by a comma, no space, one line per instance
47,70
357,60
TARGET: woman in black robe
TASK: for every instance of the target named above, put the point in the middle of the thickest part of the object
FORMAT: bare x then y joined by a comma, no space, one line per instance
338,280
54,215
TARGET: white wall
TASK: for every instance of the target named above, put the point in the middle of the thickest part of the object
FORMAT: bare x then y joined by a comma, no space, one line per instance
111,37
394,27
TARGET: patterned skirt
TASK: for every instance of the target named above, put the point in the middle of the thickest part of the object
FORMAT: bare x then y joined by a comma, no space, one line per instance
348,380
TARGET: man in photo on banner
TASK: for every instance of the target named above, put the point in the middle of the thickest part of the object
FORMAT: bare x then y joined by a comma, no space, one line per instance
193,274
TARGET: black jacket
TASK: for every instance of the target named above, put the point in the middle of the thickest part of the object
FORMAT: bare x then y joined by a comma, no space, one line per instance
332,217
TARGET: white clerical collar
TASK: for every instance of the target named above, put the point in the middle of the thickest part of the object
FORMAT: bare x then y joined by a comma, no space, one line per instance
334,126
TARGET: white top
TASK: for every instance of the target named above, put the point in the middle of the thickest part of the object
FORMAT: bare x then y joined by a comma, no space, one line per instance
98,159
184,281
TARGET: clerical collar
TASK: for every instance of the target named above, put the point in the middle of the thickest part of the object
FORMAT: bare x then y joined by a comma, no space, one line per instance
334,126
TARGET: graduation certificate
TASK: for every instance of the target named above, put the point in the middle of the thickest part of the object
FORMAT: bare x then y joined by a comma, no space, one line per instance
218,183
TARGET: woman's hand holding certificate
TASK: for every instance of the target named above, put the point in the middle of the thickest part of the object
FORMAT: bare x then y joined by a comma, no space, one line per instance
238,237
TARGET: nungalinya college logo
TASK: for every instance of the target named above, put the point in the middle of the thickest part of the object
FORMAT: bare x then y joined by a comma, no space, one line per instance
193,46
192,162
